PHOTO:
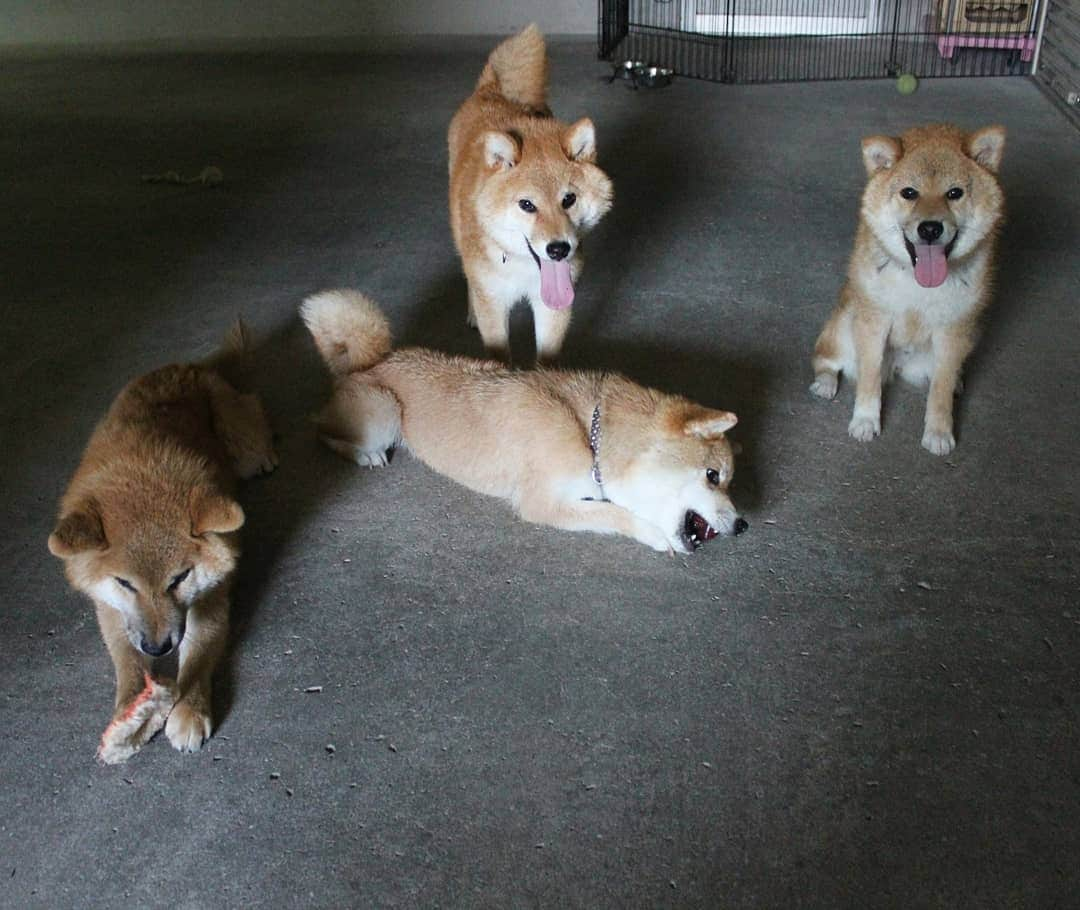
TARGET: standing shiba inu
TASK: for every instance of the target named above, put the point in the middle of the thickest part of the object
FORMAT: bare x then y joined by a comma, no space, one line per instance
522,188
580,451
920,274
147,531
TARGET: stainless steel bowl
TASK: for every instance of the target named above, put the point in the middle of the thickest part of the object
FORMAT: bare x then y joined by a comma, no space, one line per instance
643,75
652,76
627,69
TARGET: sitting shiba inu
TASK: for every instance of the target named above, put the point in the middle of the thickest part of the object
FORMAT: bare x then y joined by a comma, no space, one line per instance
576,450
920,275
523,186
147,531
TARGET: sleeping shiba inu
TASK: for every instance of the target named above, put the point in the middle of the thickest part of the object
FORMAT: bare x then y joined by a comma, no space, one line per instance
147,530
523,187
576,450
920,275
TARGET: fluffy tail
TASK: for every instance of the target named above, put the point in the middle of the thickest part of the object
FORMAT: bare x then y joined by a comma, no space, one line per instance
235,359
350,331
517,69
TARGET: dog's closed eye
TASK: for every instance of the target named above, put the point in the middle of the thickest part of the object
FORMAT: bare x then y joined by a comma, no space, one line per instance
178,579
127,585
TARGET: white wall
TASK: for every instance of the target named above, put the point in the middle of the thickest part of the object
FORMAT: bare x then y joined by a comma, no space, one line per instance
97,21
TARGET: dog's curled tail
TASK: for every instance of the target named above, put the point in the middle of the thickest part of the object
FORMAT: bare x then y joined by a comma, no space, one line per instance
350,331
235,358
517,68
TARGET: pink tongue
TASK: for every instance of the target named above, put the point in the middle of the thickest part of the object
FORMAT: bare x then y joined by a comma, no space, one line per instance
556,288
931,267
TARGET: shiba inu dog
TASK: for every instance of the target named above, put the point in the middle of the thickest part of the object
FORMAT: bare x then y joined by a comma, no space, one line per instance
920,275
147,530
523,187
576,450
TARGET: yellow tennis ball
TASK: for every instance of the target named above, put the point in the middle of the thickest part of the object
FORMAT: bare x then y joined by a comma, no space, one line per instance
906,83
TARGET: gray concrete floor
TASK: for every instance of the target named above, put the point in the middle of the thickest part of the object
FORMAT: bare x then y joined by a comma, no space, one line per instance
870,699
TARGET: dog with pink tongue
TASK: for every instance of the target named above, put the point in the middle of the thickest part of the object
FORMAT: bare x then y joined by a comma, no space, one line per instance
920,275
524,187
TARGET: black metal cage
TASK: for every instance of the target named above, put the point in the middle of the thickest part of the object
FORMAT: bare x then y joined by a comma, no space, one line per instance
800,40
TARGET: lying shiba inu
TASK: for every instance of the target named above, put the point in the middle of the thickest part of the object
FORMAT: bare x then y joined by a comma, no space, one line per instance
522,188
580,451
920,274
147,531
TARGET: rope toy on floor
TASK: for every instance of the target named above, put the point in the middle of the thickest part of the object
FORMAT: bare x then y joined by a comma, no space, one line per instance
208,176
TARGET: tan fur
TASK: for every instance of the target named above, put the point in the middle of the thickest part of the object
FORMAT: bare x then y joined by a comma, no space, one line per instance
886,322
505,147
524,436
151,500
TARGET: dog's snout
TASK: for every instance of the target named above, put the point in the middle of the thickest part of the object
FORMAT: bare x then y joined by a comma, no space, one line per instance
741,524
931,230
156,649
558,249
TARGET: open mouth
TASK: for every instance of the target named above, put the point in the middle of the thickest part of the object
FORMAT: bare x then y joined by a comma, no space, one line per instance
696,530
930,260
556,285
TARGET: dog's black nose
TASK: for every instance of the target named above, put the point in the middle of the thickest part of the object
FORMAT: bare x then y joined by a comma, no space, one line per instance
741,524
157,650
931,230
558,249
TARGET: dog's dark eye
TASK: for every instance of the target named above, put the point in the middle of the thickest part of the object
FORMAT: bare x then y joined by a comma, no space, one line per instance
713,476
909,192
954,193
178,579
568,200
124,583
526,205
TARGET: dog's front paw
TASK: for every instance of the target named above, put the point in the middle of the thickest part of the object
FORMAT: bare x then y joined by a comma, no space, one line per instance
653,537
135,725
938,442
864,428
187,728
824,385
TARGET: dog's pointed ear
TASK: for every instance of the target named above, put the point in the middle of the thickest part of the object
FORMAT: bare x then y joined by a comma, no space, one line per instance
78,531
501,150
579,141
986,147
705,423
880,153
212,513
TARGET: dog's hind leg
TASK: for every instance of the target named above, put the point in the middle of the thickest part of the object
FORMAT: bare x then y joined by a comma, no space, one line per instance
591,515
361,422
833,353
241,425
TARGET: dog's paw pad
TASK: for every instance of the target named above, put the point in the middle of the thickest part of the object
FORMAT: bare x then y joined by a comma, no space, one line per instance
938,443
824,386
187,729
864,428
